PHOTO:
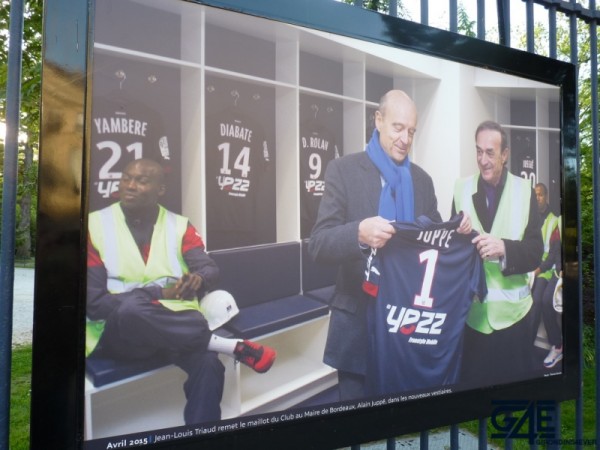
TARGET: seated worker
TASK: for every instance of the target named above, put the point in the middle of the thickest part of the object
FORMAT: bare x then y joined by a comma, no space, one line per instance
146,270
551,314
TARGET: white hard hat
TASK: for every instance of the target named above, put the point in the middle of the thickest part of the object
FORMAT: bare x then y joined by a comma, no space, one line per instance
557,298
218,307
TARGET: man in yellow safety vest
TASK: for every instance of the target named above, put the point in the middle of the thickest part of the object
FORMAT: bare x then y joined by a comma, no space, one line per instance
147,270
502,207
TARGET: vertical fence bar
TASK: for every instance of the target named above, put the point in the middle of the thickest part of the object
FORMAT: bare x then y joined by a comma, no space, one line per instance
508,443
424,440
507,21
482,434
529,26
9,200
503,22
453,16
575,59
425,12
554,445
596,177
481,19
390,444
534,428
454,437
393,8
552,51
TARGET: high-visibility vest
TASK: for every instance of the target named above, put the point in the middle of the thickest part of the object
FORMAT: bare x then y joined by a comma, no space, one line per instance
559,226
509,297
125,266
550,223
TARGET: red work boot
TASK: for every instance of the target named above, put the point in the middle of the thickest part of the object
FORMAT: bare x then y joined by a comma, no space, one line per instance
258,357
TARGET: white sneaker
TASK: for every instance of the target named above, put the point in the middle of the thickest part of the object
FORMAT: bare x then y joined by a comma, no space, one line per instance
554,356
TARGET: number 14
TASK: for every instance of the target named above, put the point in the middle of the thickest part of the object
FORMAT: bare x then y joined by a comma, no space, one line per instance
241,163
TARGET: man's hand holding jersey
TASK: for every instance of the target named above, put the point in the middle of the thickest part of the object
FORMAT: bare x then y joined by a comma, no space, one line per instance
375,231
489,247
465,225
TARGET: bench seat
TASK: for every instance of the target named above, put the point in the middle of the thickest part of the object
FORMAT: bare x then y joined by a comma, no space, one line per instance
274,315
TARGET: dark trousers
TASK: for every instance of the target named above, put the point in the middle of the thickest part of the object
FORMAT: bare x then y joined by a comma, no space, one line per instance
543,293
139,329
501,357
552,319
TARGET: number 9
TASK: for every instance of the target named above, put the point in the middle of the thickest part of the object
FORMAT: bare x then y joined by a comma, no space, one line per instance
314,163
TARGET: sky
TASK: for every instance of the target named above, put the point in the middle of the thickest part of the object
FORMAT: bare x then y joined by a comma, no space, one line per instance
438,15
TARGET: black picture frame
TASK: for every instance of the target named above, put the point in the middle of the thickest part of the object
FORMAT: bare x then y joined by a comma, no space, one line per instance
58,410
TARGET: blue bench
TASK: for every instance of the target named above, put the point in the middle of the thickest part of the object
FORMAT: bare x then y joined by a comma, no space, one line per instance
266,284
102,371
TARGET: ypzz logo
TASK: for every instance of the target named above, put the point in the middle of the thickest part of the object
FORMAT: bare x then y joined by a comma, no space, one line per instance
107,188
408,321
315,186
233,184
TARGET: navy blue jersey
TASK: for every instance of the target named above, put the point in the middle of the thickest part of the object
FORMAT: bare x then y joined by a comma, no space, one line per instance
424,281
237,155
123,129
317,149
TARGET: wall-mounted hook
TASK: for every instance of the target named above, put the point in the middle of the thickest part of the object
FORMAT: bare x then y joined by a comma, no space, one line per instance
236,95
120,74
315,108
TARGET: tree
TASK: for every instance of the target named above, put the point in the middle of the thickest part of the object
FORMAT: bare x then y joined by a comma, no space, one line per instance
29,117
382,6
466,26
587,165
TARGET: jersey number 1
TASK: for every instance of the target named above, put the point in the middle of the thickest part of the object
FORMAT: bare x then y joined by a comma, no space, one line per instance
424,299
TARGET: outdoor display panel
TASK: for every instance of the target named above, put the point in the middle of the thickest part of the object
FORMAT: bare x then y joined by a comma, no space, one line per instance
243,108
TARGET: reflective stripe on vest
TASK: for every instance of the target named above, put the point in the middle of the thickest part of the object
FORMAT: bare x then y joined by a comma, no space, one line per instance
509,297
122,259
550,223
548,227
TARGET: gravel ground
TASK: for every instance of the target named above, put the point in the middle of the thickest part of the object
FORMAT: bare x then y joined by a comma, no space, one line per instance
23,306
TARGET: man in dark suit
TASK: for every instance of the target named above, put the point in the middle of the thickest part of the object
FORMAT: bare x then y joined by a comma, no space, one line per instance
363,193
